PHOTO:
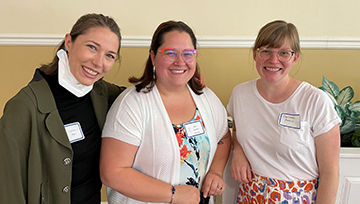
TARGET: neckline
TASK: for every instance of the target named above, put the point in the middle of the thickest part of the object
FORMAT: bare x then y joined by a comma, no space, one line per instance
192,120
271,103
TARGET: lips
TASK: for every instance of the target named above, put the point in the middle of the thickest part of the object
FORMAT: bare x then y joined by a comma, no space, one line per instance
177,71
90,71
272,69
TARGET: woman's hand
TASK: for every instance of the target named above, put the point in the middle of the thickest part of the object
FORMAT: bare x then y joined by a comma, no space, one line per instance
213,184
186,194
240,168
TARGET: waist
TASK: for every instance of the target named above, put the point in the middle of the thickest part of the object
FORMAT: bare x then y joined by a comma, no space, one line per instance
286,186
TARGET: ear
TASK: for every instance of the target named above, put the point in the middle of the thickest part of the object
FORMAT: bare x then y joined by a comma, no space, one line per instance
67,41
296,58
254,55
152,55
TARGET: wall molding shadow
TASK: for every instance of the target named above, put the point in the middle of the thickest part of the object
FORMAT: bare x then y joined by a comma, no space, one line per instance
204,42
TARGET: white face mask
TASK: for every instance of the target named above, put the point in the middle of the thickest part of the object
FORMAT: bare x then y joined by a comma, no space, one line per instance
67,80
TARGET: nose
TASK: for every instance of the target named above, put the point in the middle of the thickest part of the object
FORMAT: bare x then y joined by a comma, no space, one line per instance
98,60
179,60
274,57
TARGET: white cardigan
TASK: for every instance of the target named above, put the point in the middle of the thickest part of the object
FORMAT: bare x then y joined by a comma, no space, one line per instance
141,119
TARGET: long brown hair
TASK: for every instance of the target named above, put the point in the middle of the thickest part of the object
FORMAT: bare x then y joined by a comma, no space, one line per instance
146,80
83,24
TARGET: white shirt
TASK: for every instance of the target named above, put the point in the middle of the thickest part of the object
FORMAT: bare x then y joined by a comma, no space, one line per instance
274,148
141,119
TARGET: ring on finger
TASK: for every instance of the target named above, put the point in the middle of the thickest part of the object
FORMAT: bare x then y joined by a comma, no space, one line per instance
219,187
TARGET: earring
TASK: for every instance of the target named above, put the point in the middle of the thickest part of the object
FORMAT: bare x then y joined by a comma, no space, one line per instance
65,49
154,76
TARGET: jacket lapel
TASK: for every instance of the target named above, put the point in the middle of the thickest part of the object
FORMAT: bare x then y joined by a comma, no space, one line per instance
47,106
100,104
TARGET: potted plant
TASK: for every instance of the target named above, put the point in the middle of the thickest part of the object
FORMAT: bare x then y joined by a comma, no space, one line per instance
348,112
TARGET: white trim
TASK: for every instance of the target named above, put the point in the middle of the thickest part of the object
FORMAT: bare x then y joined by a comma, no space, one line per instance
350,153
350,184
226,42
204,42
104,202
31,40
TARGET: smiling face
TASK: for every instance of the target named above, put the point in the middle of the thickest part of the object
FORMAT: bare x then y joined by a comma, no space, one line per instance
92,54
273,70
177,73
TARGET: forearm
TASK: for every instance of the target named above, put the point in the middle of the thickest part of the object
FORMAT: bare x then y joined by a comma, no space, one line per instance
328,151
138,186
221,156
237,150
214,183
116,160
328,186
240,166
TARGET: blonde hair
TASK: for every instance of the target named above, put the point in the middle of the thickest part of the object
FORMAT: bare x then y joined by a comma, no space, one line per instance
275,33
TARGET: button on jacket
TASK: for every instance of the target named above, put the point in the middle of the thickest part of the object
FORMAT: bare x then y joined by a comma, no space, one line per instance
35,152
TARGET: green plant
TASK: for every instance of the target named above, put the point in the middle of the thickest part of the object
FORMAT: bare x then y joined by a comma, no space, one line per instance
349,113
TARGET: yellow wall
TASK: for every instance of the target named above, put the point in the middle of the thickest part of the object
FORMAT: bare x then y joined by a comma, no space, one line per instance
222,68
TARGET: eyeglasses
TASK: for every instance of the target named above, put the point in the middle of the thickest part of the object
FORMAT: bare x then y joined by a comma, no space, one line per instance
171,54
282,55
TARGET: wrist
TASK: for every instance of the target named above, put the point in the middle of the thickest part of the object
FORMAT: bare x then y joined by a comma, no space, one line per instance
172,194
218,173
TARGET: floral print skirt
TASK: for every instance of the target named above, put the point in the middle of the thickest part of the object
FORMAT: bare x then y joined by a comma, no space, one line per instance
264,190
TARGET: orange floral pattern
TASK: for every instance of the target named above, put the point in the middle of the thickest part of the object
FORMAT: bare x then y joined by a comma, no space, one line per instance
263,190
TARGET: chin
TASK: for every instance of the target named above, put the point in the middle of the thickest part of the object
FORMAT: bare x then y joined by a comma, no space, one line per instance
88,82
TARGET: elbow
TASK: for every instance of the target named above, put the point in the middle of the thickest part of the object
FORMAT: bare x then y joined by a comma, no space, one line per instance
106,175
331,173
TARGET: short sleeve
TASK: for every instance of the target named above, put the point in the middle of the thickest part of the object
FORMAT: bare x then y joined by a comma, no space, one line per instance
230,105
325,116
123,121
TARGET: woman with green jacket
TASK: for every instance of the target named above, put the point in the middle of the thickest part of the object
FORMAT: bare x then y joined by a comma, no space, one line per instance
50,132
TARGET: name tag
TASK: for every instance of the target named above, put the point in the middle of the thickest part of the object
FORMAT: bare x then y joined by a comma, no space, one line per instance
193,129
74,132
290,120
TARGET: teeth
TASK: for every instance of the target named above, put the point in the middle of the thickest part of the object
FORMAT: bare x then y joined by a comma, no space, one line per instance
177,71
89,71
272,69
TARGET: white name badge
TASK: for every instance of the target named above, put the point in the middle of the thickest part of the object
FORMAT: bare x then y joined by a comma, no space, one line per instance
193,129
290,120
74,132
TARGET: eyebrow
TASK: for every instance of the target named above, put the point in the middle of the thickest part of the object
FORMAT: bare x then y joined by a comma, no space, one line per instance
97,44
286,49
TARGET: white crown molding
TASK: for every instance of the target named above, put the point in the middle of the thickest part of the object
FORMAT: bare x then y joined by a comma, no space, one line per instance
30,40
204,42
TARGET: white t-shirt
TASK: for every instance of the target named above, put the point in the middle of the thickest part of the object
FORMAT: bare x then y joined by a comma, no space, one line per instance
141,119
278,139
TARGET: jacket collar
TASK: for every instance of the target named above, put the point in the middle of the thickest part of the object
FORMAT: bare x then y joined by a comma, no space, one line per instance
46,104
42,91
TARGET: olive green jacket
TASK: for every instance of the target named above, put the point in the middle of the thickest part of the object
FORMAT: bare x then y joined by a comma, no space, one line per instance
35,153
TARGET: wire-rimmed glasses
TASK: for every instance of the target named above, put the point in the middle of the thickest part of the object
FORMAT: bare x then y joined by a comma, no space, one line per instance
282,55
